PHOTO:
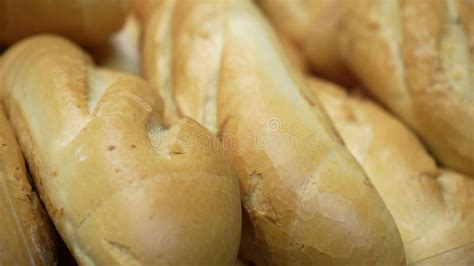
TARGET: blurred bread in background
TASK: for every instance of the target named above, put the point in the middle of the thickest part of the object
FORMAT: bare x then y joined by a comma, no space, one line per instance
86,22
122,51
313,26
417,58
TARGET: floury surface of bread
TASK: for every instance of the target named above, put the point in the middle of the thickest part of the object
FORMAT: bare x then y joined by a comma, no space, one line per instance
86,22
120,189
26,235
417,58
310,204
432,206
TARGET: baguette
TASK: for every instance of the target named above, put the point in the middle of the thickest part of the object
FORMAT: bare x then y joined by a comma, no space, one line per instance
313,25
432,207
26,236
87,22
308,204
417,58
122,185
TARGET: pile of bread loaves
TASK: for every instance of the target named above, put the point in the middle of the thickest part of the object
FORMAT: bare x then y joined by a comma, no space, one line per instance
202,132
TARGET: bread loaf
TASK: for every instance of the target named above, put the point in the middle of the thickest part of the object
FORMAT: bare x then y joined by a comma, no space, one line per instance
122,185
26,236
432,207
87,22
417,57
313,25
306,203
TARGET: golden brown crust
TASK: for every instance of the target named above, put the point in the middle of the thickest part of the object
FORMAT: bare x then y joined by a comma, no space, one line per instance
312,204
432,207
313,25
143,8
417,58
119,187
86,22
26,235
